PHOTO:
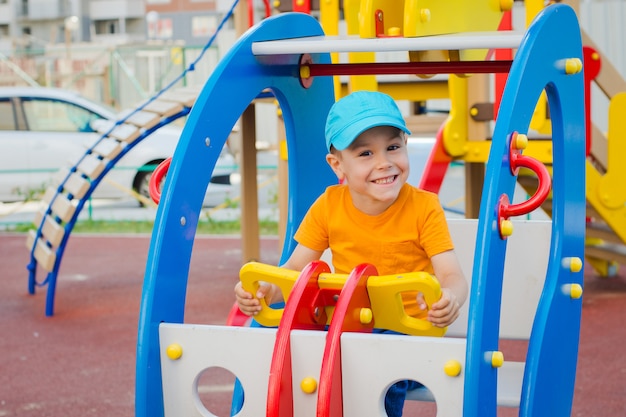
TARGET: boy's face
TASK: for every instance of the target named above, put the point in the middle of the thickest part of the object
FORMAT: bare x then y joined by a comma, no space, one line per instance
375,166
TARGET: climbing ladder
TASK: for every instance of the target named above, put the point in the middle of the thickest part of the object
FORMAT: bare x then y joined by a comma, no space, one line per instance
282,54
63,201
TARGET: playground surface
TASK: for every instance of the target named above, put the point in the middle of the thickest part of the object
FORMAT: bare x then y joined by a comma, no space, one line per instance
81,362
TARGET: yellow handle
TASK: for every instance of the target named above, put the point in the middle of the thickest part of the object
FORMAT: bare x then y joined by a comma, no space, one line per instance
252,273
385,293
389,308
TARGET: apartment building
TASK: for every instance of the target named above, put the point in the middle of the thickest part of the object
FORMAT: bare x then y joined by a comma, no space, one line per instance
35,24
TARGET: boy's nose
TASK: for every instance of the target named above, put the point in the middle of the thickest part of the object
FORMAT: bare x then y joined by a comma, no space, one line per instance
383,161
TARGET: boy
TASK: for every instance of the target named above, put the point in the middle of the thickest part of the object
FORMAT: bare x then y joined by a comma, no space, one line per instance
374,216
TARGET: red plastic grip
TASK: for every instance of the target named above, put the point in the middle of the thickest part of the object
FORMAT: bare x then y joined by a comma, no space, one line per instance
517,160
156,178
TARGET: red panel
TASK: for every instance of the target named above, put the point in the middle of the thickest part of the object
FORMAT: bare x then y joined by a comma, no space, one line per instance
345,318
298,314
436,165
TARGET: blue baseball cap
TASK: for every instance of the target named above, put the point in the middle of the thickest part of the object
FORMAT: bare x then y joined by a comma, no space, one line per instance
357,112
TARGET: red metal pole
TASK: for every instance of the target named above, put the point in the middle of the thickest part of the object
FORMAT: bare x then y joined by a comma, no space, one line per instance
392,68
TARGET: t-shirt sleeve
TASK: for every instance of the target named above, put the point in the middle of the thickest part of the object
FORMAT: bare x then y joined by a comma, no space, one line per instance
313,231
435,235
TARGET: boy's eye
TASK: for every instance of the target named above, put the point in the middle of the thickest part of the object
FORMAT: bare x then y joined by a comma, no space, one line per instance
365,153
393,147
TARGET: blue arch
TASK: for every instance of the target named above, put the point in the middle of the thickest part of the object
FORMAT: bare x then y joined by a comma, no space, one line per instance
550,369
235,83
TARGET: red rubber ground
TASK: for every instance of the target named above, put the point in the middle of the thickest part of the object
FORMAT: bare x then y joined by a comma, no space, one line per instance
81,362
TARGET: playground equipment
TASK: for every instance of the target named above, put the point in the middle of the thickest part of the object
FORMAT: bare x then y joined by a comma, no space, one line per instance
63,202
171,354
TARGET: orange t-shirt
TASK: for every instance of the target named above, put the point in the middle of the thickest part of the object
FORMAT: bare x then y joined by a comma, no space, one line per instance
402,239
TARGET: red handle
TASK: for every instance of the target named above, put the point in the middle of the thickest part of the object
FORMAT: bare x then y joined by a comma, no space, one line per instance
517,160
156,178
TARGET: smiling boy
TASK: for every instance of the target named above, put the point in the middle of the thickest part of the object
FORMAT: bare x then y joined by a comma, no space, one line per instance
374,216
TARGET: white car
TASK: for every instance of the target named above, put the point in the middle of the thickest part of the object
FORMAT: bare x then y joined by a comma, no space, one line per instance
44,129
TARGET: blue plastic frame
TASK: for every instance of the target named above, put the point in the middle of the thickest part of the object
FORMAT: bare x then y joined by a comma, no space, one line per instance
539,64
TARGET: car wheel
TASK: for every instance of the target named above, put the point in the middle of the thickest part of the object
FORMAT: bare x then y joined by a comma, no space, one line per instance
141,184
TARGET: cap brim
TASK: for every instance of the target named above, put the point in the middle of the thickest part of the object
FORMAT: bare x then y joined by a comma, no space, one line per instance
354,130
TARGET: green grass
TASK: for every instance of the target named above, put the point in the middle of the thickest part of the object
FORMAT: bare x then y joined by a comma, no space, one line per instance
209,227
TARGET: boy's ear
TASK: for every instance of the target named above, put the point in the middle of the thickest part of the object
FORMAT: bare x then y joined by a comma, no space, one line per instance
335,165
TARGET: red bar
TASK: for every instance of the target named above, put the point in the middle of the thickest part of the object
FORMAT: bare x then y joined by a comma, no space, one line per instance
392,68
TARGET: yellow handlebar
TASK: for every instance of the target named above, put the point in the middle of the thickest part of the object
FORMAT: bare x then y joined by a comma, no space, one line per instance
386,294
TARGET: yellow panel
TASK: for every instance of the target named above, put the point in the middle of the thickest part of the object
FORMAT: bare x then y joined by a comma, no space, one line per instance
540,121
455,131
329,18
437,17
351,16
533,7
392,16
611,188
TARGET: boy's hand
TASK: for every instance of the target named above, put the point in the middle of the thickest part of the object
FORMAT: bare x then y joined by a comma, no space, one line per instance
446,310
249,304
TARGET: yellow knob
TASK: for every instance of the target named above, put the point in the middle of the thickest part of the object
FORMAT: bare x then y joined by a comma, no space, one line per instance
365,316
305,72
506,228
452,368
575,264
506,5
497,359
474,111
425,15
573,65
174,351
276,4
521,141
575,291
308,385
393,31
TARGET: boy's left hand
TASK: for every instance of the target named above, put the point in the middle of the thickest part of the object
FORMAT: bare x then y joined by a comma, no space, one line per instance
445,310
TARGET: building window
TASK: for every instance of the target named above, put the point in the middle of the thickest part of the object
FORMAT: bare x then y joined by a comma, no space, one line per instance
203,26
107,27
160,29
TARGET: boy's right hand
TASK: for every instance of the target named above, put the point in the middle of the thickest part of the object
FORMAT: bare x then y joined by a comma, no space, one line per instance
249,304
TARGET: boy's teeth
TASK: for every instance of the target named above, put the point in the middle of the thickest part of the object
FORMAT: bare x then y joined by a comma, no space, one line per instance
385,180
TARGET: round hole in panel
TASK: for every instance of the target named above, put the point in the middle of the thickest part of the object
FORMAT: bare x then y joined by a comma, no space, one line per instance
218,392
419,400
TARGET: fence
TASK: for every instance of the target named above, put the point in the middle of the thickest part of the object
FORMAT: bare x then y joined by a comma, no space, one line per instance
121,76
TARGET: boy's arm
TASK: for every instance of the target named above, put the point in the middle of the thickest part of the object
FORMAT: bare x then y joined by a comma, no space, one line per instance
301,257
250,304
454,289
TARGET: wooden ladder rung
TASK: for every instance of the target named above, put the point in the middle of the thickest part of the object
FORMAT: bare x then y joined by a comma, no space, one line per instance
125,132
187,99
144,119
193,90
61,207
92,166
51,229
108,148
164,108
76,185
45,256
